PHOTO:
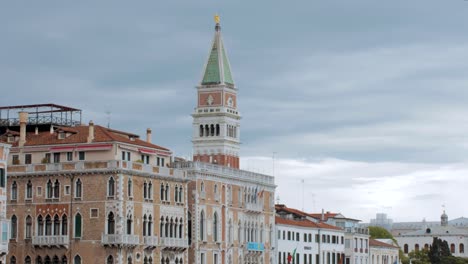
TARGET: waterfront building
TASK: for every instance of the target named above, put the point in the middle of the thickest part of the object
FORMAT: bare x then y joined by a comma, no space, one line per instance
303,240
90,194
382,252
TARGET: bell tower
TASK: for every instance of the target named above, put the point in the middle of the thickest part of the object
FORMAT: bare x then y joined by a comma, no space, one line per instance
216,119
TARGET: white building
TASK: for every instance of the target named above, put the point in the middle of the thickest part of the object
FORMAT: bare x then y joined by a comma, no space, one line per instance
301,240
356,238
382,253
457,238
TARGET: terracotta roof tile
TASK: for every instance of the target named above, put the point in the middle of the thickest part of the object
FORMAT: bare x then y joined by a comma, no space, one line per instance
80,136
376,243
304,223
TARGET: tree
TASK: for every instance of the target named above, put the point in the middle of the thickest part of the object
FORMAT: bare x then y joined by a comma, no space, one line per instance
419,257
376,232
438,250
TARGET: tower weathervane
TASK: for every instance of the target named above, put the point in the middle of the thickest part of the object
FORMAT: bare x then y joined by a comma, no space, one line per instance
216,18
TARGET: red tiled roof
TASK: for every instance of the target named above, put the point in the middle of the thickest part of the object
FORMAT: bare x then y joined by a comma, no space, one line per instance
325,216
304,223
376,243
80,136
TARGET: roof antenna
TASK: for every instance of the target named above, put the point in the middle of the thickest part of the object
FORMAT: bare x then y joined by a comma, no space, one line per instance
108,113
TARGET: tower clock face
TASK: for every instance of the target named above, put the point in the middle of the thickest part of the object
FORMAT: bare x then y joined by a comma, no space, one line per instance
230,102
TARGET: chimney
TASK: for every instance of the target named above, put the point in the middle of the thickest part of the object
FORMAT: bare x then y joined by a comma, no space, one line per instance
36,131
23,118
91,132
323,216
148,135
51,129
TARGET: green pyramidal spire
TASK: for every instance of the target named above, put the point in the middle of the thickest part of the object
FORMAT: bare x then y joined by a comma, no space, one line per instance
217,69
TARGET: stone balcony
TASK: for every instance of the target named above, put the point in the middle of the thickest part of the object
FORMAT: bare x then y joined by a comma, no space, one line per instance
50,241
254,207
151,241
174,243
120,240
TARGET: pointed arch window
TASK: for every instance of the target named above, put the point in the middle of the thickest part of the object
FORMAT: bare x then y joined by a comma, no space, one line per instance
56,225
110,223
150,190
207,130
49,189
64,260
55,260
145,195
110,259
176,194
181,227
77,260
78,188
13,260
201,130
215,226
217,129
29,190
162,192
14,227
144,225
180,194
14,191
40,226
129,224
212,130
161,227
38,260
27,260
57,189
111,187
150,226
166,195
78,230
202,226
64,225
129,187
48,226
28,229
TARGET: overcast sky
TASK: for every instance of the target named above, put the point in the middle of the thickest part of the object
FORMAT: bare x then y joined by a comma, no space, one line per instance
364,100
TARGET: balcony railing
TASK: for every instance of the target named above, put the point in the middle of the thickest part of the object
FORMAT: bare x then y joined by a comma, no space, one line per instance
50,241
254,207
363,231
174,242
120,239
151,241
233,173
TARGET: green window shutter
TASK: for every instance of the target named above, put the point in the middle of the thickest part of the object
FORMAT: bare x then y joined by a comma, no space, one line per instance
78,225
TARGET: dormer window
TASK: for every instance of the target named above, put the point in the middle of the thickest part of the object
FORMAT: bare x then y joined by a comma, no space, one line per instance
11,139
61,135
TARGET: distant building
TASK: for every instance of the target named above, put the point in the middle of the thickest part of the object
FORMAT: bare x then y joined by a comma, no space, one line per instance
383,253
4,222
302,239
382,220
456,237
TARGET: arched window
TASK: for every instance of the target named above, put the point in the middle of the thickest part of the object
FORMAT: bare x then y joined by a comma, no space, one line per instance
27,260
78,226
129,260
161,227
176,194
110,223
38,260
181,227
111,187
129,224
40,226
77,260
212,130
56,225
207,130
150,260
171,231
217,129
48,226
150,225
239,231
129,187
229,233
28,229
202,226
57,189
215,226
416,247
64,260
461,248
144,225
14,191
201,130
202,187
167,192
452,248
78,189
29,190
64,225
13,260
162,192
145,195
180,194
49,189
14,226
166,227
110,259
150,190
405,248
47,260
55,260
145,260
